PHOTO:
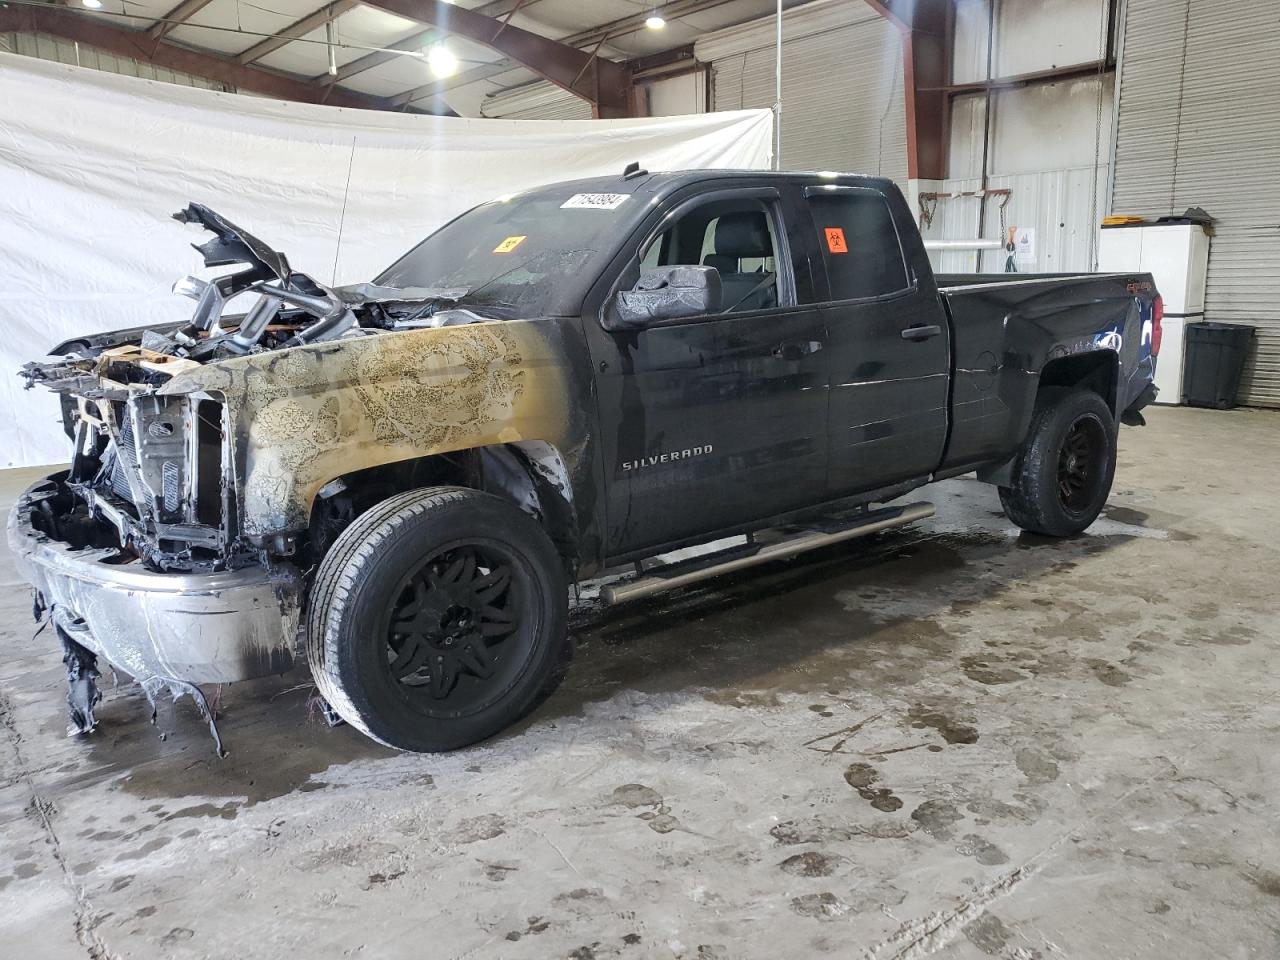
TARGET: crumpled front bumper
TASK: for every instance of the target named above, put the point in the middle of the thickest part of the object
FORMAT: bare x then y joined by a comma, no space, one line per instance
198,628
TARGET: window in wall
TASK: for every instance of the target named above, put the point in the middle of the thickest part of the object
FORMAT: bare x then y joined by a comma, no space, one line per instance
859,244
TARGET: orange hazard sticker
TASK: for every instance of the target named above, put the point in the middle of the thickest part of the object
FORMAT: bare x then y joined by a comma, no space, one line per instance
509,244
835,240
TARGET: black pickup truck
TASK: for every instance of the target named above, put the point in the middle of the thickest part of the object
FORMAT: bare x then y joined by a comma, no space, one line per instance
403,477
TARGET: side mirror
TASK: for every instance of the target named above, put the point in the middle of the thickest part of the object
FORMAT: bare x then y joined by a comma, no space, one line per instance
666,293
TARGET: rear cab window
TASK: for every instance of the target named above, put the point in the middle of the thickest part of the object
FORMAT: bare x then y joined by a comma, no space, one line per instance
858,242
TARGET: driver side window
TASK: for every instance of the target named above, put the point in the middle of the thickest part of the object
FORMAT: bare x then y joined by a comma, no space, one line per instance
738,238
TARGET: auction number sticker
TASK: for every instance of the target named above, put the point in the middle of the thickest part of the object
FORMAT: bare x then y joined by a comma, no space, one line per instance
509,244
835,240
594,201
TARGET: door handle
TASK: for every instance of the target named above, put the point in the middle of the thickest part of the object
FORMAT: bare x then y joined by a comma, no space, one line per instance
921,332
795,350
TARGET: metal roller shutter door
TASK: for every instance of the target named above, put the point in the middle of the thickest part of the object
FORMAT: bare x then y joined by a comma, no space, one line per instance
842,96
1198,125
538,101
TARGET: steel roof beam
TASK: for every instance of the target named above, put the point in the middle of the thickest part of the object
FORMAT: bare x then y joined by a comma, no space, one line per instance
928,29
299,28
604,84
137,45
499,8
176,17
588,37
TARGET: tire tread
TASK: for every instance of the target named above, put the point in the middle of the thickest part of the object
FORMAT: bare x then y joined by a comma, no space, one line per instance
1029,501
343,568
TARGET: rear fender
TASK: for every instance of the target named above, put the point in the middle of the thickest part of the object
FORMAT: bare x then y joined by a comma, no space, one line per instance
1096,369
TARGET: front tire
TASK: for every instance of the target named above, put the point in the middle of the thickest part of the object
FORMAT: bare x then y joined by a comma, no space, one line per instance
1062,477
437,619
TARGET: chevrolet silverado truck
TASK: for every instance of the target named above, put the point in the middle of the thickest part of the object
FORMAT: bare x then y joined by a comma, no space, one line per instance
401,480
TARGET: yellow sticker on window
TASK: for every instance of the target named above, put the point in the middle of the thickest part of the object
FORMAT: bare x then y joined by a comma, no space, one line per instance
509,244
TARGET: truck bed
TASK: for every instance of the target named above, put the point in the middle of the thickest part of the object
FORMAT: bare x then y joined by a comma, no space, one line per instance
1004,326
974,279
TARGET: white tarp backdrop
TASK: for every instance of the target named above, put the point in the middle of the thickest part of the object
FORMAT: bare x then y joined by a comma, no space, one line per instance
92,164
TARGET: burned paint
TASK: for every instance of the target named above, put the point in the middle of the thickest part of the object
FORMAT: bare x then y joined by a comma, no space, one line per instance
309,414
200,451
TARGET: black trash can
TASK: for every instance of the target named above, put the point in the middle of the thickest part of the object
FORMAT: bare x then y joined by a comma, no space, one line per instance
1215,355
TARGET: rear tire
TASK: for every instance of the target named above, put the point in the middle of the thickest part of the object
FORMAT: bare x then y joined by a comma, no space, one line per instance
1062,477
437,619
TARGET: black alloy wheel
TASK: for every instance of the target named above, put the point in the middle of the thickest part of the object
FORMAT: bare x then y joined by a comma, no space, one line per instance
454,632
437,618
1080,462
1061,478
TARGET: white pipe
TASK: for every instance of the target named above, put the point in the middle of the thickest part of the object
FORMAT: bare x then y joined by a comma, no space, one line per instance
964,244
777,93
328,36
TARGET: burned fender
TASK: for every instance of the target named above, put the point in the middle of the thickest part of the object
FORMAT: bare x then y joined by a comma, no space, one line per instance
306,415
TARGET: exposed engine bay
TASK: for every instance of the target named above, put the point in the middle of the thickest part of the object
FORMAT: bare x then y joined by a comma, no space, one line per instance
154,474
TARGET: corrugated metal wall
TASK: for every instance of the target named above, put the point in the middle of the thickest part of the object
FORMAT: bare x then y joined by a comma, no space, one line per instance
1060,205
1049,143
1199,125
842,86
64,51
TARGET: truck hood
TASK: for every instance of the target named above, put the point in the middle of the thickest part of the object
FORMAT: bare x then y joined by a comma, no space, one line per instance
233,245
202,446
291,309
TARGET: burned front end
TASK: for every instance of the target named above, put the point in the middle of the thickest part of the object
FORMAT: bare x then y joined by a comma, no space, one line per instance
132,553
150,475
137,550
210,459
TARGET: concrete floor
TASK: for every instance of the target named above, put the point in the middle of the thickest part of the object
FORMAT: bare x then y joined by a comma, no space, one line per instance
952,740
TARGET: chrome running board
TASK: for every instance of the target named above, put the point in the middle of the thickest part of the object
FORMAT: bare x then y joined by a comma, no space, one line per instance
758,550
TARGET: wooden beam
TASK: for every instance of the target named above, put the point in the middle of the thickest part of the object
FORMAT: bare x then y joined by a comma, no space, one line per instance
299,28
136,44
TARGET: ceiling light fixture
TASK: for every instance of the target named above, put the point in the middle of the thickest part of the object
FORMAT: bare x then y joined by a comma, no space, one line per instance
330,41
441,61
92,4
655,22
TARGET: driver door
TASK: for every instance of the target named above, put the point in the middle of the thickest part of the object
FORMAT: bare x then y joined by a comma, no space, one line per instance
713,422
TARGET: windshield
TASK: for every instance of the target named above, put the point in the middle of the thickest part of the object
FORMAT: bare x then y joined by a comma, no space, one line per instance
519,252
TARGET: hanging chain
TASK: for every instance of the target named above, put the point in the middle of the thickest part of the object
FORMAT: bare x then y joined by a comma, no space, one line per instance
928,207
1010,262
